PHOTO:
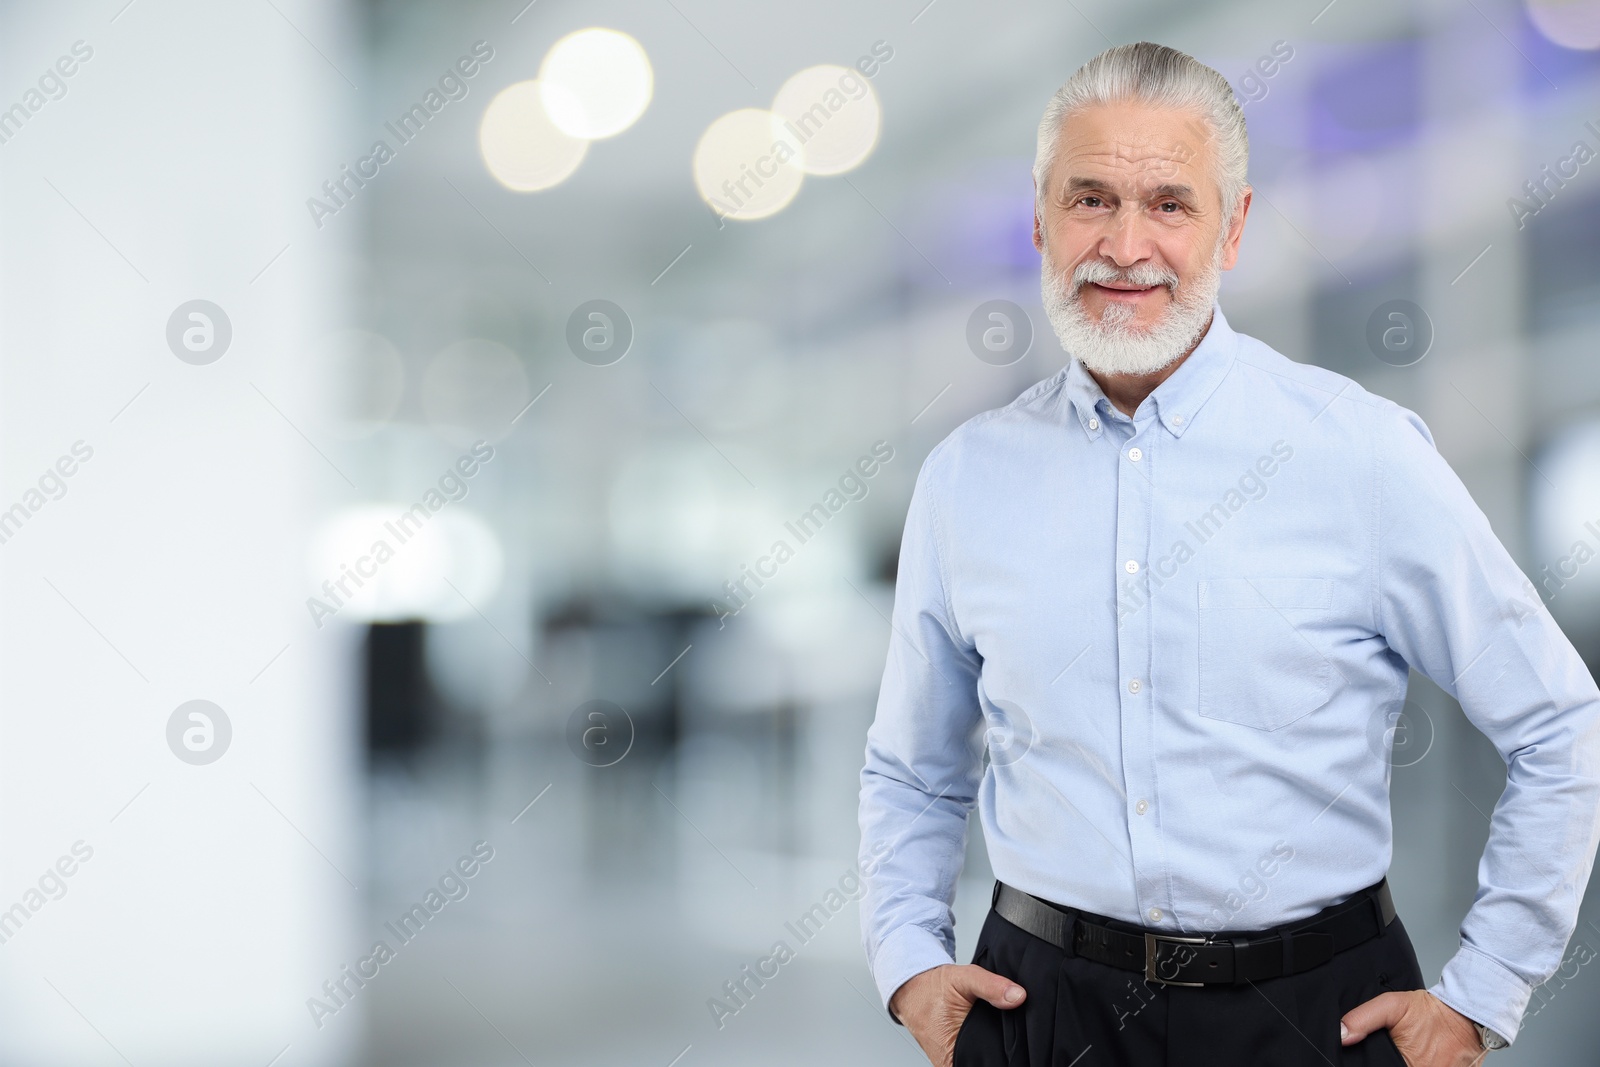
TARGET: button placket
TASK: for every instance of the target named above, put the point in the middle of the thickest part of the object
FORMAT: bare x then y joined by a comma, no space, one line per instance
1135,505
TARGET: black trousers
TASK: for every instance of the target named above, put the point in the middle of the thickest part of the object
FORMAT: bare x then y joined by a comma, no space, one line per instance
1080,1013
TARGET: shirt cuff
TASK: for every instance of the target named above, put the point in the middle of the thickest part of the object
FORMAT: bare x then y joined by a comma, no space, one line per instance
1485,991
905,953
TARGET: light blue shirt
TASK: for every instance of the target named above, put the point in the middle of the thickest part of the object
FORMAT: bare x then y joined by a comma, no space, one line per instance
1164,657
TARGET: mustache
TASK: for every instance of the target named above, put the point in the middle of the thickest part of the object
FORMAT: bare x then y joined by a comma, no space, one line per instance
1099,272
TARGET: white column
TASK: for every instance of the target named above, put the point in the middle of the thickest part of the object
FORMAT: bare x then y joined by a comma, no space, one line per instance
206,900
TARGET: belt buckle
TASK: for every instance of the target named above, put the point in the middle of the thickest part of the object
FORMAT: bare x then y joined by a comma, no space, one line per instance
1150,943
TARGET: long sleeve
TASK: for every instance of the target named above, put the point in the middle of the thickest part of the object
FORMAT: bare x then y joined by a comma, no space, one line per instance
1455,606
920,780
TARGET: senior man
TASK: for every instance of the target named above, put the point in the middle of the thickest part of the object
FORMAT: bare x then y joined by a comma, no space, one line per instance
1154,618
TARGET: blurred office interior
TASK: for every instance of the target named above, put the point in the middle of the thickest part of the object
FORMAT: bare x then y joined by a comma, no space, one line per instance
562,677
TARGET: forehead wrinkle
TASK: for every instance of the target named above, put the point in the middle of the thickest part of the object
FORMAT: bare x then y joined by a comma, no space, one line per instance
1127,160
1146,177
1132,164
1095,126
1194,137
1129,152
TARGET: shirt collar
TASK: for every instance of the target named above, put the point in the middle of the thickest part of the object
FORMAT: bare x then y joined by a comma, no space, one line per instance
1177,400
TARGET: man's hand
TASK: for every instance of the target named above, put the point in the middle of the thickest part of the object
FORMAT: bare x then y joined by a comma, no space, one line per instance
934,1004
1426,1030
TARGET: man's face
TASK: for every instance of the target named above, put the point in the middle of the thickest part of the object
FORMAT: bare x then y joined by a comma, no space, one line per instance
1131,222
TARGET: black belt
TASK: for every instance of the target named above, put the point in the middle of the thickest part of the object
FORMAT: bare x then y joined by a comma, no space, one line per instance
1212,960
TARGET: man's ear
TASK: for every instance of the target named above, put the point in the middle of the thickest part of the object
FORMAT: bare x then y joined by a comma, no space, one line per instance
1038,223
1230,250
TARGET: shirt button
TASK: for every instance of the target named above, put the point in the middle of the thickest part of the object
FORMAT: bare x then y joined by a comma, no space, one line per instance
1142,807
1094,424
1133,686
1155,915
1132,566
1177,420
1135,454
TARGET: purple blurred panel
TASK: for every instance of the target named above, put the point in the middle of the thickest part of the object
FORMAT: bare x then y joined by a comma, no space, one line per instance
978,226
1370,100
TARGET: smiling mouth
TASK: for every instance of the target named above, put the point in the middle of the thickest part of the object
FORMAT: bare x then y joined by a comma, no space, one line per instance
1124,292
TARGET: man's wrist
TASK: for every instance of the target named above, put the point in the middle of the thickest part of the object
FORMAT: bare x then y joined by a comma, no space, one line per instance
1482,989
1490,1041
890,1003
906,952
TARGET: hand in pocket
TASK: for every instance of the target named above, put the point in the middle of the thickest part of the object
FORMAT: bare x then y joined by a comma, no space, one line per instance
1426,1031
935,1003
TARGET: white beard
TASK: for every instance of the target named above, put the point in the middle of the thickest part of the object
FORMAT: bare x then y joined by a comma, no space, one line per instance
1114,345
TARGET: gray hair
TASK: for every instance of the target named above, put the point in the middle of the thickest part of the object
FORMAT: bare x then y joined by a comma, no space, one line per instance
1158,75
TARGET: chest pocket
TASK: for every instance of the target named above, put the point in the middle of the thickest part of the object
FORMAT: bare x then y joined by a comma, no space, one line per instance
1256,668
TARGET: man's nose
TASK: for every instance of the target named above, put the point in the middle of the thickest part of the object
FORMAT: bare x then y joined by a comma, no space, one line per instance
1124,242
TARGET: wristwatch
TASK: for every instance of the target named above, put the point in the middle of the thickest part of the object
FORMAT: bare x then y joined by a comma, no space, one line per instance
1491,1040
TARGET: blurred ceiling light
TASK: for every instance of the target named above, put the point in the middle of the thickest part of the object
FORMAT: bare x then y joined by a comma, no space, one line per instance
1569,23
473,389
748,165
521,147
833,112
446,570
595,83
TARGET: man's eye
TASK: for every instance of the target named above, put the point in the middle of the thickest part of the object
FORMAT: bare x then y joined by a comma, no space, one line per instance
1090,201
1169,207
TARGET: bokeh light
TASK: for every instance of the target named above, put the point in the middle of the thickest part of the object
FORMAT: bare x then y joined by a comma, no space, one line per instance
748,164
450,563
522,148
834,114
1562,513
1569,23
595,83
